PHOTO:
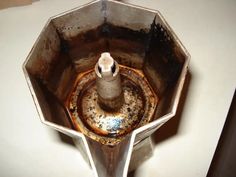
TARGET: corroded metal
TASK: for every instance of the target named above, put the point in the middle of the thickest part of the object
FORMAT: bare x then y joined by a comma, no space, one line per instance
110,127
70,45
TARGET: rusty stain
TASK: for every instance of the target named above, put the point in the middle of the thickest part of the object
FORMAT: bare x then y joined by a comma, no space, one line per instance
153,52
140,103
68,48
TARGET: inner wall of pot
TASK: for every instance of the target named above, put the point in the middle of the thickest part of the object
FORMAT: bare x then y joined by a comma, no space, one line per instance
72,43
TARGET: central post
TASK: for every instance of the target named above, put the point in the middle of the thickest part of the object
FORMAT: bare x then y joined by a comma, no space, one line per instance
110,93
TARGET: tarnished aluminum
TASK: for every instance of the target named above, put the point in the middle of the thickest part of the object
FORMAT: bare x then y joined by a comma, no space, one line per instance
71,44
111,126
108,83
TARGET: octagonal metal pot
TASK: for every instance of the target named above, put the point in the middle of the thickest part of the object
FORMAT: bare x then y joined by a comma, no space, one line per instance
71,42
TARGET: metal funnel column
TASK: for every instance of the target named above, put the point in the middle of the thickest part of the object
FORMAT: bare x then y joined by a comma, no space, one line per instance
110,94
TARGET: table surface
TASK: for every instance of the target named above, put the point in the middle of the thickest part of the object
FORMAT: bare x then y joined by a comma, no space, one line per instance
184,146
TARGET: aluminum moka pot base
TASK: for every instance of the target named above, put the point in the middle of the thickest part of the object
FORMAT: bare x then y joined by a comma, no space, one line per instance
72,42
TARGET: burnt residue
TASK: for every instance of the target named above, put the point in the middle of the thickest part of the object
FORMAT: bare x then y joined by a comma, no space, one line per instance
64,46
123,120
50,104
107,37
58,70
109,31
110,127
55,71
155,47
163,54
119,32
